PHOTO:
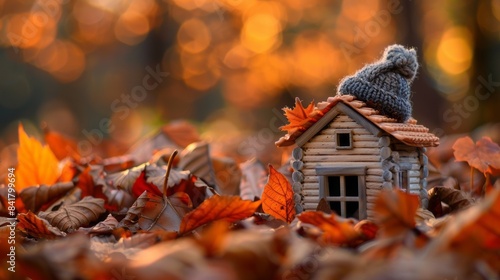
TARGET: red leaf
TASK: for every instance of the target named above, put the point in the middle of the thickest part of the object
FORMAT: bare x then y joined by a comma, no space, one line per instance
140,185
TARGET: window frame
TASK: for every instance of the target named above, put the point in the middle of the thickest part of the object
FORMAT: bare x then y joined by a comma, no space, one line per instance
343,131
359,171
401,175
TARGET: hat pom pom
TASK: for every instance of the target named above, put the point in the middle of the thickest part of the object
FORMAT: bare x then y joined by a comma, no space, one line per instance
404,60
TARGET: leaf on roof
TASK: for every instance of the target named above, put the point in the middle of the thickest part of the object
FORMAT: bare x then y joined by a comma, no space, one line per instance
299,117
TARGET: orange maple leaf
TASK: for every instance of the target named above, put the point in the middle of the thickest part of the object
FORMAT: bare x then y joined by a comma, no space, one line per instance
36,163
335,231
484,155
226,208
277,197
299,117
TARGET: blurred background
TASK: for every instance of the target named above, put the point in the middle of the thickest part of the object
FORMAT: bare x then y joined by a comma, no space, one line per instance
125,67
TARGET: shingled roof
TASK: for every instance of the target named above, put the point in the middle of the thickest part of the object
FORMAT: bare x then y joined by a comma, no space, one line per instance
410,133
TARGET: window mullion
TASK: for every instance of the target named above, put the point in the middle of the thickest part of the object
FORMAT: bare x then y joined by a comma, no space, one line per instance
343,197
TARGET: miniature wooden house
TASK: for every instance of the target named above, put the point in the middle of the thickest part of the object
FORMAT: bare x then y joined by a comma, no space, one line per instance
351,152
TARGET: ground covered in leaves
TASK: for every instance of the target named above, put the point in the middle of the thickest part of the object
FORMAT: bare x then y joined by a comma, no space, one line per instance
152,214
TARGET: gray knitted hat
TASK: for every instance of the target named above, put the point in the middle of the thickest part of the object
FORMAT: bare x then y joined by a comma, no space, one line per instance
385,84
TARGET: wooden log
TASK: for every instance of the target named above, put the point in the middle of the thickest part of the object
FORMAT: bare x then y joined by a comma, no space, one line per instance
358,131
297,176
344,125
310,206
409,160
387,185
297,153
374,179
385,152
310,192
297,165
372,192
313,165
311,199
384,141
309,186
374,171
387,176
342,118
425,171
336,159
424,160
423,183
330,151
413,173
409,155
375,186
308,172
414,180
297,187
297,198
332,145
310,179
415,187
370,215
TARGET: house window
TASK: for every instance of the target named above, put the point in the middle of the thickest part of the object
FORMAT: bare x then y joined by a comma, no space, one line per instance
401,179
344,192
343,138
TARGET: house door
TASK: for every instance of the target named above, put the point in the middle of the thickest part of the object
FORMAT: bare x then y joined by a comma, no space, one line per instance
344,190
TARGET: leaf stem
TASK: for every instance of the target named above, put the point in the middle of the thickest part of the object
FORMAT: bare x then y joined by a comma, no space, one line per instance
169,166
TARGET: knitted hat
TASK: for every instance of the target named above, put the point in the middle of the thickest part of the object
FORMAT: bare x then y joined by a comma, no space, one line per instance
385,84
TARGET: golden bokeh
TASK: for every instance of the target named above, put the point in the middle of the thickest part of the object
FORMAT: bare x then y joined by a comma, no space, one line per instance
131,27
261,33
454,53
193,36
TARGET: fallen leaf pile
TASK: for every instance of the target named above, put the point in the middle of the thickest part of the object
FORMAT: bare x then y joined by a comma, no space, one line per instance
148,214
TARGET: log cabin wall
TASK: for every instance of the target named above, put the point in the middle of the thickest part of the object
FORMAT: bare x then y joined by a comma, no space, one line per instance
321,151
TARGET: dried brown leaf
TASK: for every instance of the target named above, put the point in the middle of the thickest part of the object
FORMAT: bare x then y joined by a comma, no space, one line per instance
323,206
70,217
35,197
253,181
456,199
105,227
150,212
196,159
484,155
474,233
227,175
36,227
